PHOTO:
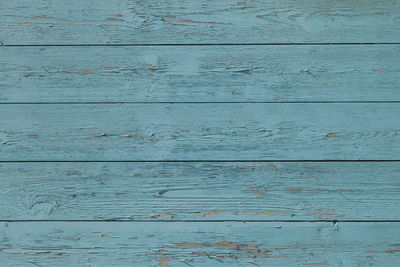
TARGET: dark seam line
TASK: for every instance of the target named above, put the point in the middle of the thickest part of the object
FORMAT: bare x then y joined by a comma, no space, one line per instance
198,44
203,102
210,221
189,161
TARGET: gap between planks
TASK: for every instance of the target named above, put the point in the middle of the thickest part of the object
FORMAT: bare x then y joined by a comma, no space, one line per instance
209,221
202,102
197,44
194,161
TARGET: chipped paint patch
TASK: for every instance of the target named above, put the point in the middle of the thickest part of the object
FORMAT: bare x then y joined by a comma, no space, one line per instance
331,135
114,19
294,190
38,17
162,259
162,216
251,249
195,21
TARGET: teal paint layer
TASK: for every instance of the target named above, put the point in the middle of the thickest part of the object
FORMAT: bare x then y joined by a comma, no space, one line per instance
200,132
200,73
168,197
194,21
199,244
200,191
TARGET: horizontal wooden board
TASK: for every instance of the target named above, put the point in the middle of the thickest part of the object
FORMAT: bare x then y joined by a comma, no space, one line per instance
199,244
200,191
198,21
200,73
200,132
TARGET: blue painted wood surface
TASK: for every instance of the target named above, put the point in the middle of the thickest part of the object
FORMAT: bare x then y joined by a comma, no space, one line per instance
200,73
249,131
200,244
200,191
198,21
199,133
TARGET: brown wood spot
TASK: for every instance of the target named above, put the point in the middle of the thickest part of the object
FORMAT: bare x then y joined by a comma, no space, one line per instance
163,260
114,19
38,17
293,190
213,213
378,70
162,216
86,70
105,235
331,135
195,21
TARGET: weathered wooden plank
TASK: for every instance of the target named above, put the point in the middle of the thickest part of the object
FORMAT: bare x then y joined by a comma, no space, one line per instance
199,244
200,73
189,21
200,191
200,132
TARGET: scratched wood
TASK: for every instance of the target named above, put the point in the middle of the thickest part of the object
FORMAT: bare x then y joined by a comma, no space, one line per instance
200,73
199,244
200,191
246,131
180,21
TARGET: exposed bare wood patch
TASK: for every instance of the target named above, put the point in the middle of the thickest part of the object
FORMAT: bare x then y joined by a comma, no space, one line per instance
195,21
38,17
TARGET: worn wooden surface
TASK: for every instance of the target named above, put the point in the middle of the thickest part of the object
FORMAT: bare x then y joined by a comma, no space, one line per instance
199,244
194,21
200,73
200,132
200,191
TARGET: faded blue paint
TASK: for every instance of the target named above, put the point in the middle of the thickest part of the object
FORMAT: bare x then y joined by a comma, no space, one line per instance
163,200
200,244
200,191
198,21
200,73
249,131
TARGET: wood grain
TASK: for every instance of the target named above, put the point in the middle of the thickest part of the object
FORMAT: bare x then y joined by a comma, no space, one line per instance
200,73
200,132
105,160
189,21
200,191
199,244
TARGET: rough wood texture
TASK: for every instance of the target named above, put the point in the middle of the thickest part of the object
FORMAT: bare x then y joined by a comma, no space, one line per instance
199,244
200,73
118,173
194,21
200,132
200,191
